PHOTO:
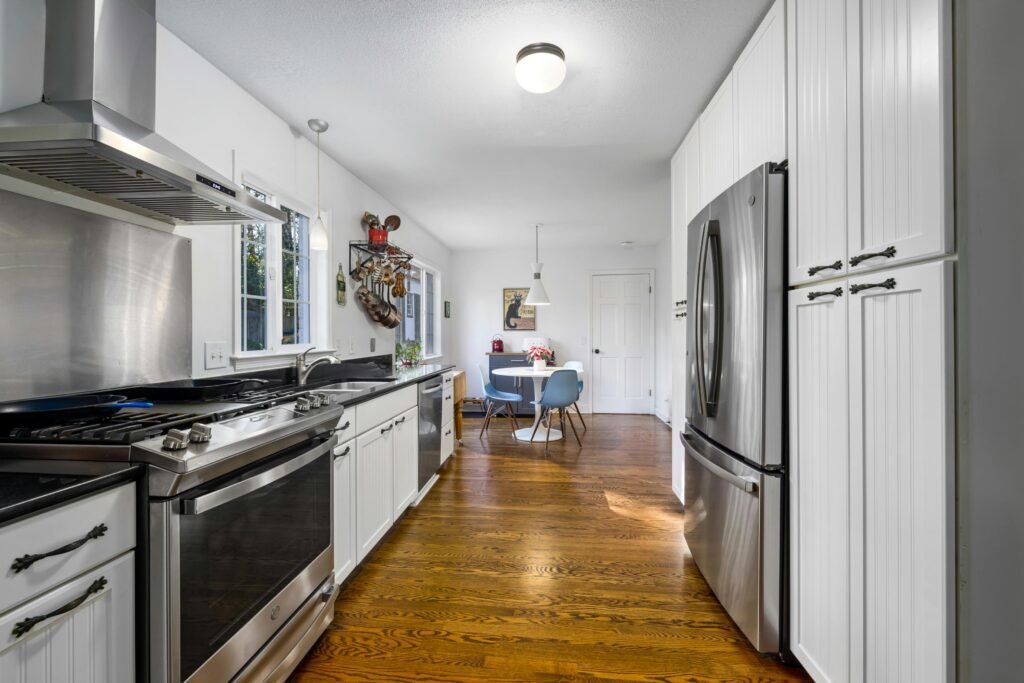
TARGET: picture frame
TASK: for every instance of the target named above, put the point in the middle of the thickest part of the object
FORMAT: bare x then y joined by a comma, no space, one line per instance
516,314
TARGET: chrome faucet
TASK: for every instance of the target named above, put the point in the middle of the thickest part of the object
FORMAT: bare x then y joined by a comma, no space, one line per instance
303,369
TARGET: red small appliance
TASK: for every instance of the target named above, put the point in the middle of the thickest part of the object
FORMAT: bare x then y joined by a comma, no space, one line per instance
497,345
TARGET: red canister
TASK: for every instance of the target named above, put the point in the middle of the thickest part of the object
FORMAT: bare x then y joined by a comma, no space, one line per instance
497,345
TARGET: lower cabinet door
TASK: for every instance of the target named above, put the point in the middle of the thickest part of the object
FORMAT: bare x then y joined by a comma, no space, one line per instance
373,486
901,444
447,441
819,480
92,640
345,554
406,460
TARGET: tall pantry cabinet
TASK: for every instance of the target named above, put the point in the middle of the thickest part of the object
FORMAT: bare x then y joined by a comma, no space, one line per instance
871,353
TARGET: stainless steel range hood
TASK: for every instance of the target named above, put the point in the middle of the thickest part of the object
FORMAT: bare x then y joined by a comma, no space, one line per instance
92,135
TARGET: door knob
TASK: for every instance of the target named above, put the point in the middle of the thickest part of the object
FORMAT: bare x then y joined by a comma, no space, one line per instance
597,350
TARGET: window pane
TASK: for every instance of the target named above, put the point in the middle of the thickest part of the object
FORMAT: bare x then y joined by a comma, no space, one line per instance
255,269
288,276
289,236
302,278
302,333
254,323
428,314
288,324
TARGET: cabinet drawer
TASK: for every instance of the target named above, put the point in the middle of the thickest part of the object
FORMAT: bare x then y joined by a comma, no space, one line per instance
62,526
447,441
372,413
347,424
447,404
94,640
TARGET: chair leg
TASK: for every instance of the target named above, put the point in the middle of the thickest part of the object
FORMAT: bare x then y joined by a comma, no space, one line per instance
512,414
487,418
574,433
576,406
535,425
547,434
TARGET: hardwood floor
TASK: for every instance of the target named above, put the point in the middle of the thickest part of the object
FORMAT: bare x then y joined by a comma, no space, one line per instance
518,567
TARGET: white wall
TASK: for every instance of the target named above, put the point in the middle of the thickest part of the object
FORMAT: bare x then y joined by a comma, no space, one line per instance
663,312
202,111
480,275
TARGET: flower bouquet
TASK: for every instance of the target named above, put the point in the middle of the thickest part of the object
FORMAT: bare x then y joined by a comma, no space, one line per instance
540,355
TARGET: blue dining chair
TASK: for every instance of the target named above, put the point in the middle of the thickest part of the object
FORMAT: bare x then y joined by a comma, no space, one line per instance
561,391
576,365
497,401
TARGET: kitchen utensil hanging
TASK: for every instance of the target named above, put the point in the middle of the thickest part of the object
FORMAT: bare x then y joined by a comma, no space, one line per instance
382,271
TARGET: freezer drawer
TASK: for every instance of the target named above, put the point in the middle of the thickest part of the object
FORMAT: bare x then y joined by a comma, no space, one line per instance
733,529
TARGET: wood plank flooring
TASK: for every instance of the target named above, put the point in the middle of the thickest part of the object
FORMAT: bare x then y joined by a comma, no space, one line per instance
518,567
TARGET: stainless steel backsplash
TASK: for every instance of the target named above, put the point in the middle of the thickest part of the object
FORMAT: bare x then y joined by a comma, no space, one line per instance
88,302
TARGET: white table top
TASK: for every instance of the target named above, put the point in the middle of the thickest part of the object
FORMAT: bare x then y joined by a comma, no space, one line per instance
529,371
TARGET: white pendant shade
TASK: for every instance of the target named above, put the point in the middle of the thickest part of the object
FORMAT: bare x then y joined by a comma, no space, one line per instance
318,235
540,68
538,296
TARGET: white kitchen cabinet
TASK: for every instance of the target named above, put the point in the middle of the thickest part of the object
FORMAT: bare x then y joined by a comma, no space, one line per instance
718,143
93,642
345,551
447,441
819,472
374,486
900,131
759,79
405,457
817,139
901,446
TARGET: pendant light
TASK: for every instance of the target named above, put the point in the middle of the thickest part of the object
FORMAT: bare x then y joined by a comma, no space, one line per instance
540,67
538,296
318,233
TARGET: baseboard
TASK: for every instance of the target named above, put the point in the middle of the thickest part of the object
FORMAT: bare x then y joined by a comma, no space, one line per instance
664,417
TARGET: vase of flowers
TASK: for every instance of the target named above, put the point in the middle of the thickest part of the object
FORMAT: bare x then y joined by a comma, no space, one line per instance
540,355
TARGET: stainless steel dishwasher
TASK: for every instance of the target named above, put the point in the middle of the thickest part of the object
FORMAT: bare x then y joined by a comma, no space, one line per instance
430,428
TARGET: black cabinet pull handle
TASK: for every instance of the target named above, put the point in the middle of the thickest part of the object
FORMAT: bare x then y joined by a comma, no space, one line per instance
399,421
888,252
597,350
681,302
838,291
26,625
385,430
448,433
890,283
345,426
25,561
838,265
343,453
678,315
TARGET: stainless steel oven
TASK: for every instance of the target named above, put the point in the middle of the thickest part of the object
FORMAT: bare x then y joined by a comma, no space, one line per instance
241,569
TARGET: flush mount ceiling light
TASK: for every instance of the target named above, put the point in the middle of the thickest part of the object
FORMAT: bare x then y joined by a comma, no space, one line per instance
318,233
538,296
540,67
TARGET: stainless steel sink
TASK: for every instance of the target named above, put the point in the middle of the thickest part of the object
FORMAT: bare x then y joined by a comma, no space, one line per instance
351,387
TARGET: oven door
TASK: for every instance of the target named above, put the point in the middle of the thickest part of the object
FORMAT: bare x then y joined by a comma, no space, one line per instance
234,559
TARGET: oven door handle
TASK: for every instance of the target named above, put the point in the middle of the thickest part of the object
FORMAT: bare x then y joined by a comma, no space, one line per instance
214,499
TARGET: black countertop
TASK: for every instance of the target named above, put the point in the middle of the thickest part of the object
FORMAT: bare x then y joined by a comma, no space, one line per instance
403,377
28,487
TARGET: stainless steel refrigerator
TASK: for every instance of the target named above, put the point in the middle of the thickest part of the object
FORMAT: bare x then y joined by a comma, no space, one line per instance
734,439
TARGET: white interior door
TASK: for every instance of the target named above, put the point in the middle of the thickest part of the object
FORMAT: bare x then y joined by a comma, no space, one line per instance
622,349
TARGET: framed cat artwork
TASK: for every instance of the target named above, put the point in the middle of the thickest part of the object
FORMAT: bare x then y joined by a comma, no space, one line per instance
518,316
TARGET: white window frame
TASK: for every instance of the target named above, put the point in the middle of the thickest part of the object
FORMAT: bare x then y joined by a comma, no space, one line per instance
438,308
318,309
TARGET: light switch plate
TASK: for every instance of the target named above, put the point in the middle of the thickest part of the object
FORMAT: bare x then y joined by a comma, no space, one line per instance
216,355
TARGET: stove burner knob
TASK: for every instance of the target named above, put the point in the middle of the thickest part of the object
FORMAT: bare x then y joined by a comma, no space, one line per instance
200,433
176,440
314,400
320,400
303,404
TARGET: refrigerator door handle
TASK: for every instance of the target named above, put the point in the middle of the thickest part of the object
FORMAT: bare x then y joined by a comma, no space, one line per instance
715,249
707,392
698,323
743,483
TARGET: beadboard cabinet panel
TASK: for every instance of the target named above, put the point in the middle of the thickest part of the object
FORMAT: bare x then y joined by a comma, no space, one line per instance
760,82
819,483
406,460
900,142
718,143
374,482
345,552
901,444
817,139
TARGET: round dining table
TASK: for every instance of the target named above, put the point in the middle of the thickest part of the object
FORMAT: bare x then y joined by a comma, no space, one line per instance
538,377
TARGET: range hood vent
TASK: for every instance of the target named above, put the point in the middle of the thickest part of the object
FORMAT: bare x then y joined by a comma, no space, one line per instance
93,133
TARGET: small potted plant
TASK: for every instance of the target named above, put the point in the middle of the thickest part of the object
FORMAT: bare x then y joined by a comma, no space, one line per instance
540,355
409,353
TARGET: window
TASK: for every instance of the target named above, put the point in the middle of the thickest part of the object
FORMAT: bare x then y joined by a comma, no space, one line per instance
422,305
276,278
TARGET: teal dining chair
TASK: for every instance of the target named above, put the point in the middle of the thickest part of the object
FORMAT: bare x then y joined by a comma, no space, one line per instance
576,365
497,401
561,391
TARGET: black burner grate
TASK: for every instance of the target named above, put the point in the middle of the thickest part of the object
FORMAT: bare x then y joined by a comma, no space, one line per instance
121,428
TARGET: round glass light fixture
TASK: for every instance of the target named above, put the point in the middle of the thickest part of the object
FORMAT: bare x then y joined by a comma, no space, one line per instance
540,67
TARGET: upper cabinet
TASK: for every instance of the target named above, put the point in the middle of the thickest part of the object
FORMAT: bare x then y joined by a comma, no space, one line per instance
900,135
718,143
759,87
817,139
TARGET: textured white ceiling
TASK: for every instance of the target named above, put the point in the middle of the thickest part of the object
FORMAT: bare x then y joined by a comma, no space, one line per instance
424,106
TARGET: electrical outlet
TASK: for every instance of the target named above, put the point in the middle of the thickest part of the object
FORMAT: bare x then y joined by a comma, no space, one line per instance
216,355
373,344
